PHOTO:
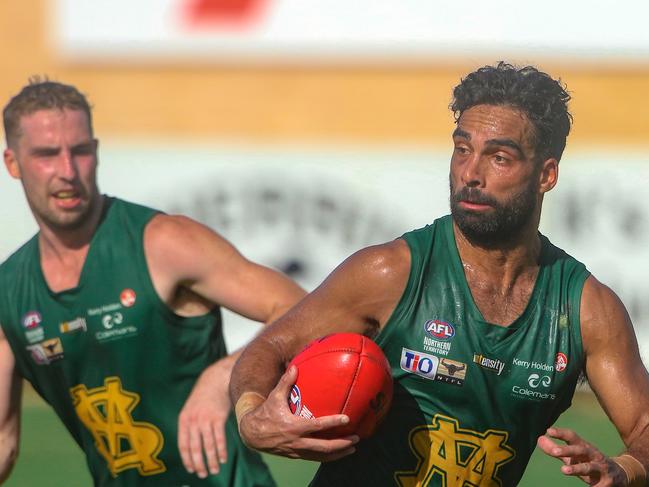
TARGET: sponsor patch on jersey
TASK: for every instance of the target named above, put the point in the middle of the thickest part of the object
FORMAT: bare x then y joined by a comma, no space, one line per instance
105,308
438,337
537,388
492,364
116,334
451,372
32,319
35,335
419,363
560,362
127,298
47,351
531,364
78,324
440,330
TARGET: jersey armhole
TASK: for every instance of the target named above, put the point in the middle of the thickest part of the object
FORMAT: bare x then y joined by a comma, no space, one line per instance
398,311
147,282
575,292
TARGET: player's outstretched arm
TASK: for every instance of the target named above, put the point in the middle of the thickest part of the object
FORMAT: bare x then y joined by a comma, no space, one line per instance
621,383
185,257
10,399
358,297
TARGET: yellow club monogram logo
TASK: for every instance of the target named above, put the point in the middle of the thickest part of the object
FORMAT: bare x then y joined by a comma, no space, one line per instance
124,443
459,457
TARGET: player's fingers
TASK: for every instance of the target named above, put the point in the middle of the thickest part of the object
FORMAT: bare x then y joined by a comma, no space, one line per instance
582,451
286,382
548,446
326,448
565,434
209,448
196,452
218,430
325,422
584,469
183,444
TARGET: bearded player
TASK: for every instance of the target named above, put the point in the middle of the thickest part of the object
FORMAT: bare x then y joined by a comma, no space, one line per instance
486,324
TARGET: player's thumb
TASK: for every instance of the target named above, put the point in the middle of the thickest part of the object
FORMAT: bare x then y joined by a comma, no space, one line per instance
287,380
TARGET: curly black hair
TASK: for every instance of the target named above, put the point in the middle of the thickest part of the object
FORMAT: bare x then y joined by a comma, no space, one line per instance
541,98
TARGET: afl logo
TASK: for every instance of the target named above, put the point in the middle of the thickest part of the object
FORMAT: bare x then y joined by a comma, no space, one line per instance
32,319
127,298
560,362
295,400
440,330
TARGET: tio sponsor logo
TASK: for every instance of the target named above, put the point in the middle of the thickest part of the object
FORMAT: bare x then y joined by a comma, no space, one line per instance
32,319
440,330
127,298
560,362
419,363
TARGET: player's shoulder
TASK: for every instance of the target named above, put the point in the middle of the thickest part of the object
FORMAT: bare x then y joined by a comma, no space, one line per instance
383,261
598,298
178,227
602,312
182,237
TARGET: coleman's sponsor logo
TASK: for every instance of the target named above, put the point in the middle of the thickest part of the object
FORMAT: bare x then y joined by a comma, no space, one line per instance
537,388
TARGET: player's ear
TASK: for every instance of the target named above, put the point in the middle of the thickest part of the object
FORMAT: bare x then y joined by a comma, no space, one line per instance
11,163
548,175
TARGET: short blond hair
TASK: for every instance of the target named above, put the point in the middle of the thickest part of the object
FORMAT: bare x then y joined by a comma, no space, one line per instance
41,94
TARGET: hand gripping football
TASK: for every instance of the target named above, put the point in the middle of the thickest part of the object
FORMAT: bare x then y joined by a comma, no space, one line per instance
342,373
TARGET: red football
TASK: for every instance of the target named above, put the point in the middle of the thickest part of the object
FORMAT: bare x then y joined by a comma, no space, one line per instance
343,373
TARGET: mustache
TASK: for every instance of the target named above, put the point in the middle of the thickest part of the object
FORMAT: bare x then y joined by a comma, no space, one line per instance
473,195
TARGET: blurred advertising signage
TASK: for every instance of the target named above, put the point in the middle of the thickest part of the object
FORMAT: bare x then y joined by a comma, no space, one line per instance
316,30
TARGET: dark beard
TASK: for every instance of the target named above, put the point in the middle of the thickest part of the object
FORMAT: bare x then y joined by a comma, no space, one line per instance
503,224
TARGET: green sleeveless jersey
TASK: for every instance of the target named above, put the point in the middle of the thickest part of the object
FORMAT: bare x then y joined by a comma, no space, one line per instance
471,398
114,361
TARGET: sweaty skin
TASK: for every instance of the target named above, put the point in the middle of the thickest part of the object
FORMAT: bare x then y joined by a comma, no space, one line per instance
192,269
493,160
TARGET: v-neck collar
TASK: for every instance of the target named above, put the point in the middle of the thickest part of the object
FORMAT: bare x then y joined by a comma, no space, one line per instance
107,203
493,331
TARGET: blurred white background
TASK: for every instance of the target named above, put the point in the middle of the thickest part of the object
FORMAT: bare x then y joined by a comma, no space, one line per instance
305,130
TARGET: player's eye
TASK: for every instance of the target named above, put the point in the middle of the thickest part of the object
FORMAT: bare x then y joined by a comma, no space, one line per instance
45,153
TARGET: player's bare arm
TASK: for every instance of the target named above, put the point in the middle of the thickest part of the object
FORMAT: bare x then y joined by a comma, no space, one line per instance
10,398
186,257
359,297
621,383
192,268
